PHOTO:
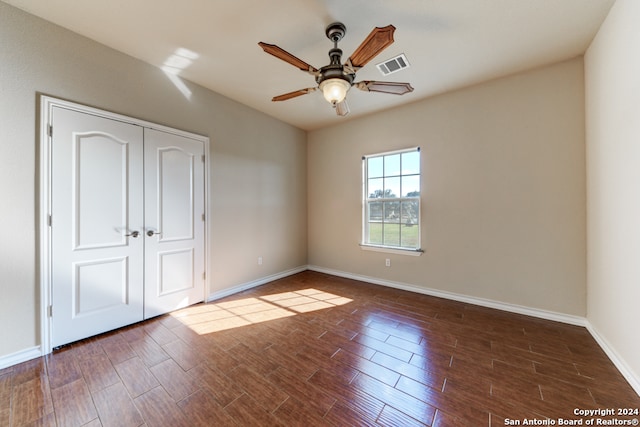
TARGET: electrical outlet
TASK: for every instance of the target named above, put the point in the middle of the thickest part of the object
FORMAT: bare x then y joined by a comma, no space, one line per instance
387,262
259,260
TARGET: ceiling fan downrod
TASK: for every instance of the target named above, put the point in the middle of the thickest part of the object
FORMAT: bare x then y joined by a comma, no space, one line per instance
333,75
335,32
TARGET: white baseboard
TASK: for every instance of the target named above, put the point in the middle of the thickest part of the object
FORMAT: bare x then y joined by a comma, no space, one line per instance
20,356
621,365
513,308
632,378
252,284
34,352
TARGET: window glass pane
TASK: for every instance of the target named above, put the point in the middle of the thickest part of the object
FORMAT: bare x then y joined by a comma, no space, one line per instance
411,186
411,163
375,211
392,187
391,212
374,167
392,234
392,165
409,235
409,213
375,233
375,188
392,196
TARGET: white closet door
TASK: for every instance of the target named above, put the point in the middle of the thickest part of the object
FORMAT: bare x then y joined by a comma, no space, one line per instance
96,225
174,222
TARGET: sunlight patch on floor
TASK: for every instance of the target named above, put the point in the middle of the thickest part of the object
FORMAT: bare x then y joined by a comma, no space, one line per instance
215,317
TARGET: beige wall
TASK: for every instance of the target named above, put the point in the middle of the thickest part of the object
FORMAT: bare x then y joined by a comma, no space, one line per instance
258,164
612,70
503,178
503,191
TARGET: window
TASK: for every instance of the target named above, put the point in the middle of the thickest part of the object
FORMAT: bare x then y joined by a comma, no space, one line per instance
391,217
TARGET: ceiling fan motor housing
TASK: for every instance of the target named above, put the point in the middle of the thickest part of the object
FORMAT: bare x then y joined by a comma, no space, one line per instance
335,70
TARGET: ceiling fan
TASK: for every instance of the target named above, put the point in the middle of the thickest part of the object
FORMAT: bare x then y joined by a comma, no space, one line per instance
335,79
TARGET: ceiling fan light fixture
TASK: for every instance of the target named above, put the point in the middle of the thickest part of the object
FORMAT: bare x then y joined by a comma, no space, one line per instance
335,90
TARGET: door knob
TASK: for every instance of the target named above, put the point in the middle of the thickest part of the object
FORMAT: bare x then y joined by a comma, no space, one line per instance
150,233
133,234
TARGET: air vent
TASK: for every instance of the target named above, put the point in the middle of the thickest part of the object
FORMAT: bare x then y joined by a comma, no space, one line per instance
393,65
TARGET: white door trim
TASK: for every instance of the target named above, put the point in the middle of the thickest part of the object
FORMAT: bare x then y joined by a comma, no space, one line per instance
47,104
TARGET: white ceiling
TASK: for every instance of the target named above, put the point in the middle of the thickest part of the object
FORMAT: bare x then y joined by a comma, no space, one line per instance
449,43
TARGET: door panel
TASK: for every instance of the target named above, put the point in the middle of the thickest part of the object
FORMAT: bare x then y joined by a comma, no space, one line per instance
174,223
94,286
176,271
97,189
175,174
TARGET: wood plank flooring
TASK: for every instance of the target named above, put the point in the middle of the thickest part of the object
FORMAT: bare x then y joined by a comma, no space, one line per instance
314,350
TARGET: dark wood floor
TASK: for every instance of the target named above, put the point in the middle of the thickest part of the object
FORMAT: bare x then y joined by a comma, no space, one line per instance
312,350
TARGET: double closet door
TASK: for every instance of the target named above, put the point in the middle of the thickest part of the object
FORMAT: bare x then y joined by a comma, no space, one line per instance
127,224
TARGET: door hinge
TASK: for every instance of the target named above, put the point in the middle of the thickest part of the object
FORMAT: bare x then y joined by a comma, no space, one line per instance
50,310
204,275
50,130
203,158
203,217
49,220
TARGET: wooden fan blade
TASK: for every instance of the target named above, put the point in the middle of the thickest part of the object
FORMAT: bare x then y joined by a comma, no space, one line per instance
280,53
342,108
394,88
379,39
293,94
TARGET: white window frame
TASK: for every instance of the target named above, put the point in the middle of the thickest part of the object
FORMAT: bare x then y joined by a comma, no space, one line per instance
365,244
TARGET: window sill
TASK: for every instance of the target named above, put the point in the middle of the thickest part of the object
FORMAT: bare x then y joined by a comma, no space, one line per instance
397,251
